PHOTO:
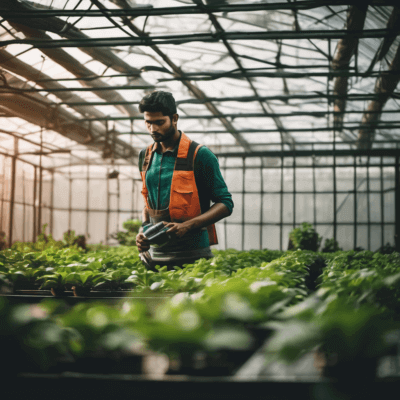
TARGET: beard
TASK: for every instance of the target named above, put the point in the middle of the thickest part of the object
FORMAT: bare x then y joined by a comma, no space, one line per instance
167,135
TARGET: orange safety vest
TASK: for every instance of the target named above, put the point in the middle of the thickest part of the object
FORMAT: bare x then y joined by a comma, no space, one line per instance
184,203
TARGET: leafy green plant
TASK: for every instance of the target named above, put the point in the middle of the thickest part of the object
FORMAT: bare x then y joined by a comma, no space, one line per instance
387,249
128,237
331,246
304,237
351,336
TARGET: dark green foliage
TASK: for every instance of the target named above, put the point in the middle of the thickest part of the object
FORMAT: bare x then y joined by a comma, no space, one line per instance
128,237
387,249
331,246
304,237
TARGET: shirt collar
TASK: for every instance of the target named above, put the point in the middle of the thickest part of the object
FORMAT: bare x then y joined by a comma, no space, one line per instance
174,151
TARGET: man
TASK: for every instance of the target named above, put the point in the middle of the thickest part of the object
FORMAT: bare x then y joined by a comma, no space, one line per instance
180,180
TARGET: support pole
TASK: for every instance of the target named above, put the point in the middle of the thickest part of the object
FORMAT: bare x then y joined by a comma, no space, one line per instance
24,206
2,193
243,199
52,203
12,198
87,200
108,210
34,205
70,201
40,184
397,205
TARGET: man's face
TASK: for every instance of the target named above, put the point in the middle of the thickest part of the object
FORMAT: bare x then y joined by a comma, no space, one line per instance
160,126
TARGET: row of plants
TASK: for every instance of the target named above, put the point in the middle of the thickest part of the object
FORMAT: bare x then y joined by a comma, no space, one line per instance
305,237
350,321
223,313
119,268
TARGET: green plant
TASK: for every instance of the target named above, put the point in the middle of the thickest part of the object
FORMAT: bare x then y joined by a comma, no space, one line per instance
351,335
387,249
331,246
128,237
304,237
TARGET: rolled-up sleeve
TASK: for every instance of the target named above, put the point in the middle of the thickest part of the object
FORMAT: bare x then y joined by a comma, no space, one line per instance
209,180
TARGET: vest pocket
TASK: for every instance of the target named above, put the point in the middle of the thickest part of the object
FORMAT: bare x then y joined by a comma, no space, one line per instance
182,198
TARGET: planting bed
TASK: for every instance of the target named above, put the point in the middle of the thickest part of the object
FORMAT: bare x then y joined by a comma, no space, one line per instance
206,319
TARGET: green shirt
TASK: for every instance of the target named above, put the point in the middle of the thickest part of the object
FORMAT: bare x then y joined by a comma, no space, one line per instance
209,181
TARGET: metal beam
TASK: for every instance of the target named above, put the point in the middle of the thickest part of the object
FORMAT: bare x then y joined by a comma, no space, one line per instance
316,114
393,23
385,85
341,61
292,130
199,94
319,153
145,10
20,68
200,37
72,65
65,29
41,111
244,99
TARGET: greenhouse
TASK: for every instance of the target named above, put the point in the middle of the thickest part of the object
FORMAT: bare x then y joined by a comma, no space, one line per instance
299,103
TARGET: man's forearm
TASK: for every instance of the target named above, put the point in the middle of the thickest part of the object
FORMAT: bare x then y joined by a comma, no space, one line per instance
217,212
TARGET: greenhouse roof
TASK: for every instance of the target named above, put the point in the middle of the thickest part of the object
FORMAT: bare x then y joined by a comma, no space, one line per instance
249,77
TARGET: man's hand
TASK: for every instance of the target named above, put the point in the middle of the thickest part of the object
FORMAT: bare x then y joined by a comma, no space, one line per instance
178,228
142,242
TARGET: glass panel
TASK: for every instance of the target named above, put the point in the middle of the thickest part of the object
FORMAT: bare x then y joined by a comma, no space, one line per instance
252,180
344,179
345,236
323,180
60,224
271,237
79,194
234,180
345,208
234,239
61,191
324,207
362,237
374,178
78,222
361,179
236,215
272,180
98,194
28,224
389,210
389,234
251,237
375,207
304,180
97,227
388,178
271,208
113,226
18,224
362,210
288,180
376,237
287,208
304,208
252,207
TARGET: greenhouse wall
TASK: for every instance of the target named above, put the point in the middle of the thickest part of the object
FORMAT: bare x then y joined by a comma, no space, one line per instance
352,199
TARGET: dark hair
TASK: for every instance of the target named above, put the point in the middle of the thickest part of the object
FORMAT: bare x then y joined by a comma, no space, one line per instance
158,102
